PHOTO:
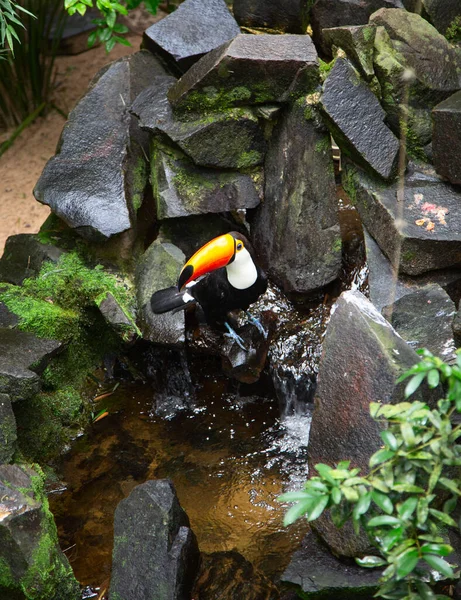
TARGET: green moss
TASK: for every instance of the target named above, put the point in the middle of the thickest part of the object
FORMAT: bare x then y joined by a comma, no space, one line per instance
349,182
191,186
323,145
453,32
212,99
249,159
139,180
368,33
6,577
414,147
325,68
408,256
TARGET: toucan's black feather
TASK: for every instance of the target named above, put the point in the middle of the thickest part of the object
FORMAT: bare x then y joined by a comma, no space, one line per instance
169,299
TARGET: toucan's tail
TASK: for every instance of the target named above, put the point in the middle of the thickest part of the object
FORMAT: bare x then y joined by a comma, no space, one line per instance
170,299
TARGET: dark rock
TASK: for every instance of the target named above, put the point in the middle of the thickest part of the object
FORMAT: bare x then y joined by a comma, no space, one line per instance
319,574
457,329
289,16
155,552
33,565
376,356
159,268
193,29
8,432
424,319
96,180
442,13
229,576
23,257
182,189
22,358
7,318
446,138
356,119
251,69
115,316
230,139
295,230
336,13
421,232
357,42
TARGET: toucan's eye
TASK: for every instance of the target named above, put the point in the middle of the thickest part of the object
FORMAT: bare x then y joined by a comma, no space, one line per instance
239,245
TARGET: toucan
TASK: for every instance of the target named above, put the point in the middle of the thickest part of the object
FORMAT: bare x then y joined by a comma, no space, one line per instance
220,277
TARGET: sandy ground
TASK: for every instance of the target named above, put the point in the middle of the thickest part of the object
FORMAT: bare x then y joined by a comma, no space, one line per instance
22,164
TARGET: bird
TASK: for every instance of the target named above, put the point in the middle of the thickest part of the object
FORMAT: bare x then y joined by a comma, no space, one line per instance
222,276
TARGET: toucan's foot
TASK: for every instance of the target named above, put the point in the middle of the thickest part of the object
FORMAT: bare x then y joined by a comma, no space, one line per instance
257,323
234,336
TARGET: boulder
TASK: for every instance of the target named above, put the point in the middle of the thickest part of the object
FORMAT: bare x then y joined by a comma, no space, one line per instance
290,16
23,257
442,13
23,357
424,319
33,565
446,138
230,139
357,41
299,199
155,552
229,576
336,13
116,316
356,120
457,329
7,318
421,232
182,189
95,182
8,432
159,268
193,29
316,573
347,382
251,69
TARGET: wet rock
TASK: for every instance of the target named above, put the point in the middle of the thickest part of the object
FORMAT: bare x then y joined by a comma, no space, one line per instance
229,576
347,383
23,257
424,319
356,119
319,574
229,140
91,183
446,139
7,318
8,432
422,233
193,29
159,268
300,198
442,13
33,565
251,69
289,16
115,316
336,13
22,358
155,552
182,189
357,42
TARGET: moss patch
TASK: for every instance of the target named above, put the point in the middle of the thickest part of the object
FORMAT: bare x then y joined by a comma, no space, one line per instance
325,68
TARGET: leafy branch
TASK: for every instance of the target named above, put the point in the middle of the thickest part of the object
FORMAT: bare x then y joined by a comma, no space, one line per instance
9,21
405,502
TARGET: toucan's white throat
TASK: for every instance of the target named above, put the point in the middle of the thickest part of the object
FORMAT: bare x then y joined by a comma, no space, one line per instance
242,272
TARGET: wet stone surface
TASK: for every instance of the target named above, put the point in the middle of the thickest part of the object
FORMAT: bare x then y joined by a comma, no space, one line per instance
7,430
446,139
357,42
289,16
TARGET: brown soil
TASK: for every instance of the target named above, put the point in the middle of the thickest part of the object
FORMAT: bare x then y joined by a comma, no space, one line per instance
22,164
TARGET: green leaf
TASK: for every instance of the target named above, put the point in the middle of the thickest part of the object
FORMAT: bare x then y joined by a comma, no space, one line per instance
92,39
122,41
383,501
350,494
434,478
424,591
318,508
362,505
450,505
336,495
442,517
406,562
391,539
408,488
389,439
450,485
325,472
439,564
414,384
295,512
438,549
110,44
383,520
81,8
119,28
408,508
433,378
408,434
294,497
379,485
371,561
111,18
380,457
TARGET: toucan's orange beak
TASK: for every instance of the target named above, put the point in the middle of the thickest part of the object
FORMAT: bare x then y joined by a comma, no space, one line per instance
215,254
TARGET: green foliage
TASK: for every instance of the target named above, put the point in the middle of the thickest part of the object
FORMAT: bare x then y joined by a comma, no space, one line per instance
453,33
406,501
9,22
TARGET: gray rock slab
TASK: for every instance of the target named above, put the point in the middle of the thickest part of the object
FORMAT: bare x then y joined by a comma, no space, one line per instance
357,41
159,268
296,230
446,138
116,316
23,356
231,140
87,183
424,319
193,29
319,574
342,428
7,318
421,232
23,257
8,433
442,13
155,552
251,69
182,189
336,13
356,119
290,16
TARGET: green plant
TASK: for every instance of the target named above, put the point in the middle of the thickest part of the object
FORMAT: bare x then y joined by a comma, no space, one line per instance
405,501
9,21
453,33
